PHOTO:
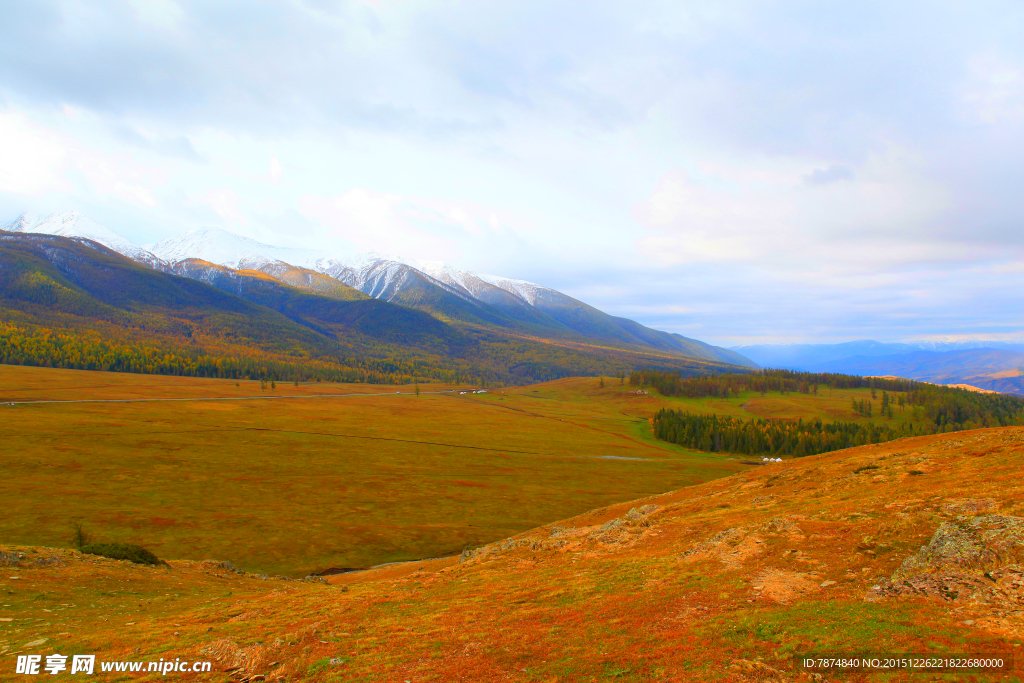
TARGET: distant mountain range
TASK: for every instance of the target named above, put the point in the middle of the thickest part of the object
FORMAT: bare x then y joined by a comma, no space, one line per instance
471,302
992,365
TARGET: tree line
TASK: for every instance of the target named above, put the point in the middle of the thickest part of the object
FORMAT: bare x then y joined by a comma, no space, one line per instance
46,347
670,383
166,346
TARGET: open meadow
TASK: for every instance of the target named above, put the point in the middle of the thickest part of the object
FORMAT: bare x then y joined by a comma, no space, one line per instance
293,481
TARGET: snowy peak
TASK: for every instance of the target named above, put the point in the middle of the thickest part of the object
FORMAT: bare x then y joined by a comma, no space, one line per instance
491,289
434,287
378,275
235,251
75,225
218,246
527,291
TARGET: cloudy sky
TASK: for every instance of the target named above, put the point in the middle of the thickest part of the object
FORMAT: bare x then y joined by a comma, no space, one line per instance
737,172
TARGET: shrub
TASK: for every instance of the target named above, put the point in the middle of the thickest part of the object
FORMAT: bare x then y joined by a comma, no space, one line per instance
80,537
122,551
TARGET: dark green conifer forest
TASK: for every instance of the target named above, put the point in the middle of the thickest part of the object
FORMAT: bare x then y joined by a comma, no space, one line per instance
918,409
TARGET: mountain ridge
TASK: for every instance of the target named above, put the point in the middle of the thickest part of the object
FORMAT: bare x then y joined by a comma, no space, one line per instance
74,303
990,365
447,293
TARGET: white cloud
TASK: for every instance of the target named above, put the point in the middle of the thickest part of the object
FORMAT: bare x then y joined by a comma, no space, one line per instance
165,14
994,93
276,172
886,214
376,221
226,204
31,157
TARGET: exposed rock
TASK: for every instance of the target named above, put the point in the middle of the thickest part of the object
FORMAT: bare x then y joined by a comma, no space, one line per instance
960,546
732,546
970,561
783,525
609,532
637,513
9,559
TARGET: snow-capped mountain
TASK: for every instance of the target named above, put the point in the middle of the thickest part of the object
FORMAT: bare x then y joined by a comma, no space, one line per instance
488,288
376,274
437,288
442,290
380,276
75,225
228,249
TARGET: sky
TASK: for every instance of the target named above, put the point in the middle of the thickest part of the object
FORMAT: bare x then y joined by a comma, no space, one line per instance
736,172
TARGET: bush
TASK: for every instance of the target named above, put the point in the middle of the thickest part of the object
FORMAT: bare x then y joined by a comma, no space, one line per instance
122,551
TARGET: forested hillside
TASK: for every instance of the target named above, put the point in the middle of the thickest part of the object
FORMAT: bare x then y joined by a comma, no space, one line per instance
75,304
912,409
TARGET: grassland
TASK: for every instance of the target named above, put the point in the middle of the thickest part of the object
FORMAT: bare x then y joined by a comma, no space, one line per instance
292,482
723,581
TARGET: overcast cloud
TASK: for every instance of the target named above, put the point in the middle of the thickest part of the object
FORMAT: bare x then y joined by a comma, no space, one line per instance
732,171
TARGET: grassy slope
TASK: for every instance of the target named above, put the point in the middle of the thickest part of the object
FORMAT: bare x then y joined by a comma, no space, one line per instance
634,603
282,485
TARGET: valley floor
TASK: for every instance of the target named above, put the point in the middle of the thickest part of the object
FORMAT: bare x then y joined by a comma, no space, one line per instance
297,479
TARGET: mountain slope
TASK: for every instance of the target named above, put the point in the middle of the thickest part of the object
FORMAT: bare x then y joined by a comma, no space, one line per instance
455,296
54,280
312,281
447,292
75,225
74,303
329,316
